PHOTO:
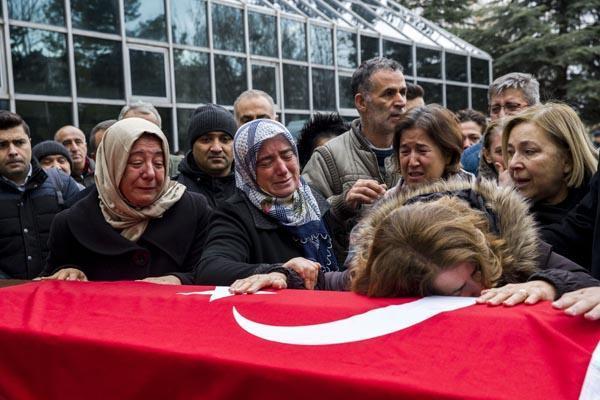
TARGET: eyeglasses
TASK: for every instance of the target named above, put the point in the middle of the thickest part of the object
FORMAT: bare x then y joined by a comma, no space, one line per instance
509,108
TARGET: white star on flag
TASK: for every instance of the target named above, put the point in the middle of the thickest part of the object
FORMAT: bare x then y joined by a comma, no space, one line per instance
218,293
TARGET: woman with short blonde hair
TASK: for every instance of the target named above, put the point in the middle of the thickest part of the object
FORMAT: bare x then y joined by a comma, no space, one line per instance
550,158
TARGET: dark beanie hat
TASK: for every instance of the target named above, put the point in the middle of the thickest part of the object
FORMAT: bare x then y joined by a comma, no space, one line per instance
210,118
50,148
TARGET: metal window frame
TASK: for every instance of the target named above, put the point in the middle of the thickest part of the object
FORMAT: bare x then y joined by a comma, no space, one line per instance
167,48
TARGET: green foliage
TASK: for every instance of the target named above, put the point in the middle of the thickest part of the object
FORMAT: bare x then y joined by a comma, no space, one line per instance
446,13
558,41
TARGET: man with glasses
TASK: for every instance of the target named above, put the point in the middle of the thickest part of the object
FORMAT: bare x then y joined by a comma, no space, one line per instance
507,95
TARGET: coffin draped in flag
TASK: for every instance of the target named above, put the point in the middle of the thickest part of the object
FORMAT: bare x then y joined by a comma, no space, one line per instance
74,340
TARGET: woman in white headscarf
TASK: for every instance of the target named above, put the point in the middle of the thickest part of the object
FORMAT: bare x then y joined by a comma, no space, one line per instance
137,224
275,221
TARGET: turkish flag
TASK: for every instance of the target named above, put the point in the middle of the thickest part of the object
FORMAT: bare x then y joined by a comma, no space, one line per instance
134,340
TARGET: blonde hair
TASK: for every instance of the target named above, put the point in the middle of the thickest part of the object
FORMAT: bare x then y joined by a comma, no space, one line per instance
564,127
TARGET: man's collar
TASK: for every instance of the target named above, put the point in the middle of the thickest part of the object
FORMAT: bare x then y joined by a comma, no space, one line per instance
21,187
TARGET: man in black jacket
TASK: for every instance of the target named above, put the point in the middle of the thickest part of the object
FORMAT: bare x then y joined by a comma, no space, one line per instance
29,199
207,167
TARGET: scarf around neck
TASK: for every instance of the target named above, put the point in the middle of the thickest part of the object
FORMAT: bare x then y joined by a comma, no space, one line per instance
299,214
111,162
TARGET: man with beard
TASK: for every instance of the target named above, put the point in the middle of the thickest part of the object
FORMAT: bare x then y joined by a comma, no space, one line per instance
357,167
207,167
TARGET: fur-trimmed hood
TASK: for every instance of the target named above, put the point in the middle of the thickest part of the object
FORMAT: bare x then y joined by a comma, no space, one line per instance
507,210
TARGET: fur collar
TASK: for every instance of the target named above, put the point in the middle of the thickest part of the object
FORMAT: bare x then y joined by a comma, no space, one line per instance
514,222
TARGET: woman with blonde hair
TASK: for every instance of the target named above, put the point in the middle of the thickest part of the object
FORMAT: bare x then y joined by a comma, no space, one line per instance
549,158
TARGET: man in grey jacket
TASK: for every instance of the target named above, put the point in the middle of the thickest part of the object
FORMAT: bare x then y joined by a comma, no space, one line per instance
358,166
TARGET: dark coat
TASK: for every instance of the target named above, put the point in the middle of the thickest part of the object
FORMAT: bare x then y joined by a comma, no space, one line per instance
215,189
171,245
578,235
25,219
243,241
546,214
87,176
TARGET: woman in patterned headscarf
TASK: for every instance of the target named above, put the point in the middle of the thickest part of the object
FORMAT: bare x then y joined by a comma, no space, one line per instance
136,224
275,222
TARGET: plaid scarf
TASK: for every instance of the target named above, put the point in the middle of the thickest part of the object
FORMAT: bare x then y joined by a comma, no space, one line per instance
300,214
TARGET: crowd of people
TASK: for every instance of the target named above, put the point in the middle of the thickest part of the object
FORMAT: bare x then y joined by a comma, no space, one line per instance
409,199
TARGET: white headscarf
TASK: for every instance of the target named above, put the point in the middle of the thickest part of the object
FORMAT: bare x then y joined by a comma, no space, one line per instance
111,161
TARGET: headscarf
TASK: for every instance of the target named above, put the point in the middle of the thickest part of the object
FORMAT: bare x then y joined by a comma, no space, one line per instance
299,215
111,161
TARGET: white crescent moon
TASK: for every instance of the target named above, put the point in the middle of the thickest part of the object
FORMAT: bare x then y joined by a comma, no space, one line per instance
371,324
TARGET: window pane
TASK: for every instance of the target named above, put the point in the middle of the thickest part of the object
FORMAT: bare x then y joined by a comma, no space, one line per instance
321,45
293,40
480,71
345,86
147,73
4,104
98,68
479,100
44,118
457,97
167,126
228,28
429,63
263,34
145,19
92,114
369,48
456,67
346,49
96,15
192,76
295,85
433,92
50,12
323,89
183,119
39,60
230,75
264,78
188,18
295,123
399,52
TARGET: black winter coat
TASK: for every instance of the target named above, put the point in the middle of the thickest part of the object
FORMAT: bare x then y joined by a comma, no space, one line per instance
243,241
215,189
578,235
546,214
25,219
171,245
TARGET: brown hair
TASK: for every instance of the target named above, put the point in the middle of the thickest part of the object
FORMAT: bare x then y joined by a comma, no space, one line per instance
441,126
415,242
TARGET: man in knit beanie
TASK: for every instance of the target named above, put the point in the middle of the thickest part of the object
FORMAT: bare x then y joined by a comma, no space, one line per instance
51,154
207,167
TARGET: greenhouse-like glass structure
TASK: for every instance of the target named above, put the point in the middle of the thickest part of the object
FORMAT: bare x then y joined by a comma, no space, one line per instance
79,61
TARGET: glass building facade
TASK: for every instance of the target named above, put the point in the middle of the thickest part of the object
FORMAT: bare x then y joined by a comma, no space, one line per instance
79,61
